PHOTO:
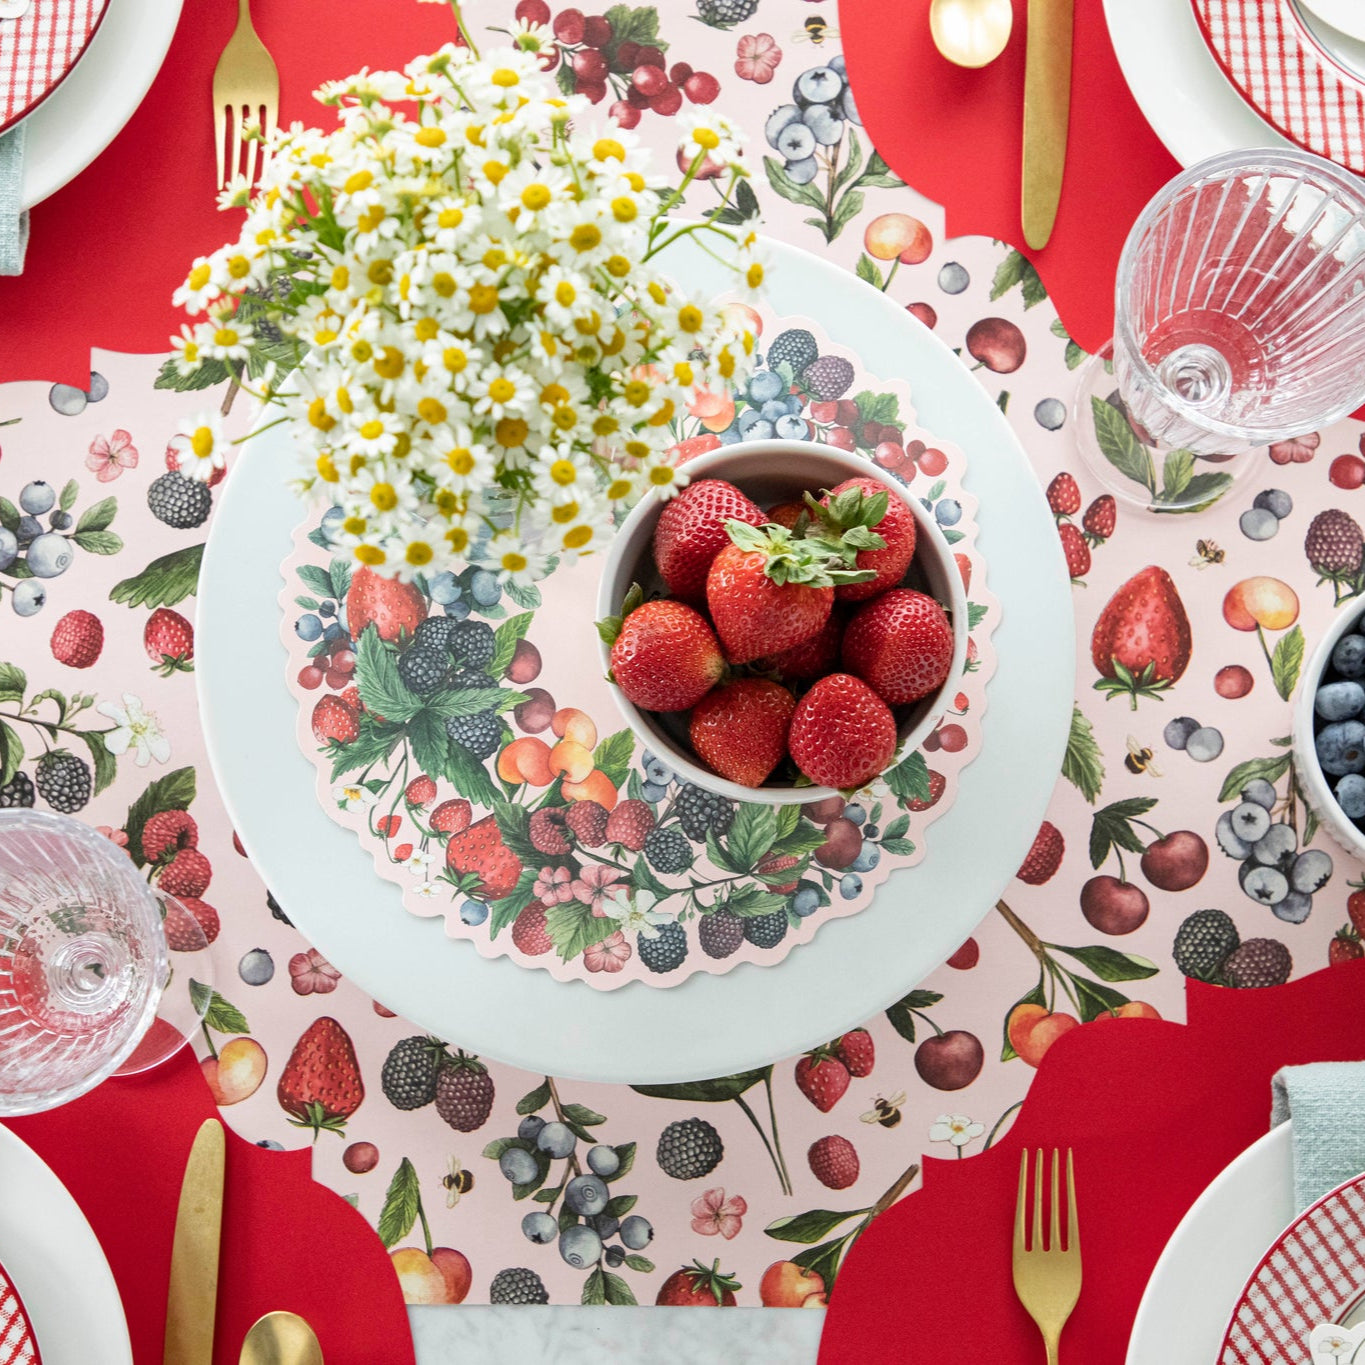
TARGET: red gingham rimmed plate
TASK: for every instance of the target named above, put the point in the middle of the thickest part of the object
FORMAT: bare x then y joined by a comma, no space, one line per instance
1313,1272
36,51
18,1345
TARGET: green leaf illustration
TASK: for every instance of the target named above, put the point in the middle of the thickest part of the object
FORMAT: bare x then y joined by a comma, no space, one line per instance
1082,764
13,682
810,1226
618,1291
175,791
909,779
505,639
70,492
11,753
534,1099
1267,769
752,834
381,689
105,764
1120,447
164,582
778,178
613,756
1111,825
1109,964
1286,661
98,516
401,1203
98,542
573,927
706,1092
220,1015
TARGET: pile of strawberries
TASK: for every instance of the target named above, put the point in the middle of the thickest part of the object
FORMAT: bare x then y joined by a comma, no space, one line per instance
787,634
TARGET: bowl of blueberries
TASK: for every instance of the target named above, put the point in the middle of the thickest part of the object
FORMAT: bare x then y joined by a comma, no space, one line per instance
1329,730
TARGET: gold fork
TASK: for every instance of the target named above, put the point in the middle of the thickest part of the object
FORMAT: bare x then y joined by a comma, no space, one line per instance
246,97
1047,1278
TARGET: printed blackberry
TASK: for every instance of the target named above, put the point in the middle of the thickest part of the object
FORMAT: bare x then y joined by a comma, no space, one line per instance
668,850
179,501
720,933
275,910
1203,943
410,1071
479,733
470,680
421,668
18,791
796,347
517,1285
474,643
436,632
689,1149
725,13
1257,963
666,950
547,831
1334,544
766,931
828,378
699,810
464,1093
63,781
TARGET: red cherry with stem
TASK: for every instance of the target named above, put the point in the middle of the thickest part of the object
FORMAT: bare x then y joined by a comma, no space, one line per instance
925,312
679,72
336,679
343,661
951,1060
889,455
1176,861
568,26
589,65
841,438
952,738
1347,471
597,30
649,56
594,91
668,101
701,87
533,11
310,677
649,80
933,462
1113,906
627,115
825,412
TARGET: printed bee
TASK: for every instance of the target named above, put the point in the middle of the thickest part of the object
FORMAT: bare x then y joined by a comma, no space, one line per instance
457,1182
884,1111
1138,759
1207,553
814,30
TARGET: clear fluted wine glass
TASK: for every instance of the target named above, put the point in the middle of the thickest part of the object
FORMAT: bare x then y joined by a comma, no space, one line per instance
89,984
1239,321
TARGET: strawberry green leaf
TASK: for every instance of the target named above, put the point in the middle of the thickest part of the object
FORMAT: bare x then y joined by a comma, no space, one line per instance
98,542
613,756
105,764
175,791
752,834
381,689
11,753
317,578
502,912
909,779
1082,764
882,408
13,682
401,1204
469,777
573,927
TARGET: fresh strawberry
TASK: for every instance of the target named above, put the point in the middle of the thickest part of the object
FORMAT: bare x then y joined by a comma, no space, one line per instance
420,791
812,658
696,1286
1076,550
1100,518
740,730
1063,496
1345,947
664,656
772,870
167,832
863,505
77,639
453,816
1141,643
937,784
857,1052
320,1086
769,591
334,720
480,852
787,514
169,641
834,1162
822,1078
842,733
691,532
901,644
190,924
392,607
1045,857
187,875
529,932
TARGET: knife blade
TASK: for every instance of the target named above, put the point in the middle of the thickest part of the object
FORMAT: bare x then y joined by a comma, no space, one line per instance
1047,109
193,1295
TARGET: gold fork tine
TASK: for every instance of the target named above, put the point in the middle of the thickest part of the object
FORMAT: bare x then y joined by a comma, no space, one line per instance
1037,1244
246,97
1073,1236
219,137
1021,1207
251,123
1055,1241
1047,1278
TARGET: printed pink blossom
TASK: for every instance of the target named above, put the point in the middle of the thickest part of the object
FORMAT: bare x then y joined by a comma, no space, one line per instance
311,974
756,57
713,1213
110,455
609,956
553,886
115,836
593,886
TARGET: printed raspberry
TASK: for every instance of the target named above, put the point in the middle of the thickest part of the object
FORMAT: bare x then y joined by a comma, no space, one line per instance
179,501
828,378
770,869
436,632
834,1162
766,931
1204,942
77,639
1045,857
1334,544
629,823
187,874
1100,518
464,1093
529,932
63,781
720,933
517,1285
689,1149
1063,495
796,346
1259,962
588,820
547,831
699,810
410,1070
168,831
452,817
420,791
857,1052
480,733
668,850
474,643
666,950
17,792
421,669
1075,549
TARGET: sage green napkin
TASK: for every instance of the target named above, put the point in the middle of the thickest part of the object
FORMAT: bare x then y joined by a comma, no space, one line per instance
1326,1100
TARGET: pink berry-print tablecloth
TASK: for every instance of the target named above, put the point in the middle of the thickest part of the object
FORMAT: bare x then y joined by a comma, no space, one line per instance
769,1176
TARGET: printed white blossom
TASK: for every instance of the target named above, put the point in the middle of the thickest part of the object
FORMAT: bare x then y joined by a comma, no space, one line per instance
135,730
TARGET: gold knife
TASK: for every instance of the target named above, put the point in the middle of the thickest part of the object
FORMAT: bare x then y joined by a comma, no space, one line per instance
1047,107
194,1258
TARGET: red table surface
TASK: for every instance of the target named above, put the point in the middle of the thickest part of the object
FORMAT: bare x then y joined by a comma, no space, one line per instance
287,1243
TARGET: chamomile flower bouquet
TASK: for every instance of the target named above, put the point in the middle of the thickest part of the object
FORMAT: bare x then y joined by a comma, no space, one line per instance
456,298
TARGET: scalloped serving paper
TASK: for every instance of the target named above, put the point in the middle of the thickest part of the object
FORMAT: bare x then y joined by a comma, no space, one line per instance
594,895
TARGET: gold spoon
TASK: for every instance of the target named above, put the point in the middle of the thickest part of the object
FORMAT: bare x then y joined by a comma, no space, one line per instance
971,32
280,1339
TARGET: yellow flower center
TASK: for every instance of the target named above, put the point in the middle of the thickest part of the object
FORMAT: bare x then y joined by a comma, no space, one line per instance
564,515
618,489
379,272
431,410
371,430
563,472
589,324
354,526
564,417
658,293
505,77
635,392
513,561
199,276
369,554
635,180
458,539
450,218
327,471
664,414
565,293
344,400
357,181
361,350
604,425
706,137
754,275
689,318
585,237
554,393
661,475
502,390
607,147
431,137
494,170
384,497
682,372
511,432
402,445
201,442
623,209
418,553
341,277
239,267
389,364
225,336
577,538
454,359
425,329
618,267
535,197
443,283
483,298
369,222
461,460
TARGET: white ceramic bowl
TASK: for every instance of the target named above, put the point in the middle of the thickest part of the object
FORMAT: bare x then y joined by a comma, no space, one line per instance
771,472
1316,785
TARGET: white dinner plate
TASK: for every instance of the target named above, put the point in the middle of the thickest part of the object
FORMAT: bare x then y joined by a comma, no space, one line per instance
84,114
55,1262
709,1025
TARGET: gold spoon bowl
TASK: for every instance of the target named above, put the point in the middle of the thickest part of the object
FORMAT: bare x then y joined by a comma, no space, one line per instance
280,1339
971,33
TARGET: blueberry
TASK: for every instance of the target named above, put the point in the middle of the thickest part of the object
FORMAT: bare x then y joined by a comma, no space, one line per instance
335,631
540,1227
850,886
1294,908
730,436
330,525
606,1226
855,814
819,85
1258,523
793,402
556,1140
1205,744
1265,885
30,528
806,899
1276,846
29,597
580,1246
764,386
761,431
327,609
99,387
1311,871
473,913
656,770
518,1165
60,521
796,142
443,589
1348,657
9,547
529,1128
67,400
1228,839
779,119
1351,796
50,555
1050,414
825,123
953,278
772,410
457,610
803,171
653,791
603,1161
1250,822
308,627
270,1145
948,512
586,1194
872,831
836,63
1341,748
1339,701
484,588
1275,501
1178,731
256,967
615,1255
1261,792
636,1232
868,858
747,419
848,106
37,497
791,428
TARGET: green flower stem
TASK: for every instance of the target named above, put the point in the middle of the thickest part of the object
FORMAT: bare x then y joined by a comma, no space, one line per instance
426,1230
772,1119
777,1166
995,1131
469,43
213,1051
886,284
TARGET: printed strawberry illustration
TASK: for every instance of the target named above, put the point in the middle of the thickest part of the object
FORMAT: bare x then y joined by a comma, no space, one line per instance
452,817
334,720
691,533
320,1086
1141,643
740,730
1075,549
1063,496
822,1078
698,1286
664,655
77,639
1345,947
479,852
393,608
856,506
1100,519
169,641
857,1052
